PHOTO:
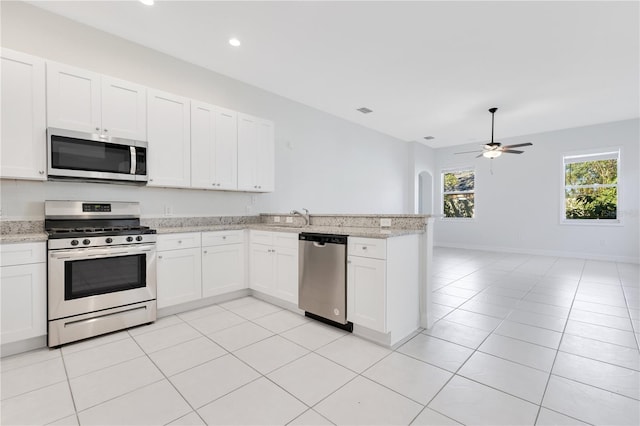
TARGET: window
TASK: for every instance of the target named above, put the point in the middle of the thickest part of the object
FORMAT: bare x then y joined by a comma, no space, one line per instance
591,187
458,193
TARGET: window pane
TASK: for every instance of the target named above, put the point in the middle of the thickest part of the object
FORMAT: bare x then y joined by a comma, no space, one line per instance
591,203
591,172
458,205
459,181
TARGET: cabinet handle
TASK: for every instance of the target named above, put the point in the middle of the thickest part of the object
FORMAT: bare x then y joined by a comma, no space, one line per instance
98,129
105,130
205,252
41,172
224,237
159,257
179,241
364,248
348,261
213,184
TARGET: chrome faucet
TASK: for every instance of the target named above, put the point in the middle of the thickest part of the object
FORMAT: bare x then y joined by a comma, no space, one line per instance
304,215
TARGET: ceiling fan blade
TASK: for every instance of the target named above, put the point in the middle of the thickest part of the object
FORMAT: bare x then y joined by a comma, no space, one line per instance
467,152
480,155
517,145
512,151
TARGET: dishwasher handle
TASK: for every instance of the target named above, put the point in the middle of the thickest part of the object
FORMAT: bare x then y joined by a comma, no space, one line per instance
320,245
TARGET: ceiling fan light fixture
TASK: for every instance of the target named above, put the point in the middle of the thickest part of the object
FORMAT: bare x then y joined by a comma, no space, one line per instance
492,154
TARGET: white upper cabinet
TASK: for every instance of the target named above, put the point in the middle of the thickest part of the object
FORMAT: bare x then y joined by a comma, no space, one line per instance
23,145
169,154
124,109
214,147
85,101
256,148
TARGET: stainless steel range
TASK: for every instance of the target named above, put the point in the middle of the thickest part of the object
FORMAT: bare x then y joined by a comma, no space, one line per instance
101,269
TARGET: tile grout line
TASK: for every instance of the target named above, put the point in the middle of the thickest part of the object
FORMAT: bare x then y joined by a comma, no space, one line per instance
546,387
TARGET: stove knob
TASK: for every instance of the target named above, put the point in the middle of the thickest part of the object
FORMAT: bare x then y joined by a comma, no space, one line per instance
129,239
109,240
86,242
74,242
139,238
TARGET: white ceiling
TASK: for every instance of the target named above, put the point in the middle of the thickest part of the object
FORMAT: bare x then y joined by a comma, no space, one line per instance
424,68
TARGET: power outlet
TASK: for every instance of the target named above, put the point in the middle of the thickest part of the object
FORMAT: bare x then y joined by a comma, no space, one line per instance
168,210
385,222
289,219
276,219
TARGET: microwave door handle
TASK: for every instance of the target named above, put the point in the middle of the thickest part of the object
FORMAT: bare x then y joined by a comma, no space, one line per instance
132,151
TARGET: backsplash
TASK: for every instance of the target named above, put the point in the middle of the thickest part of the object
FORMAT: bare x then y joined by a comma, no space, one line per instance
8,227
177,222
398,221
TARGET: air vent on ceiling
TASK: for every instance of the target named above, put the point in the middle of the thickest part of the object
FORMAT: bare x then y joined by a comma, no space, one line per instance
364,110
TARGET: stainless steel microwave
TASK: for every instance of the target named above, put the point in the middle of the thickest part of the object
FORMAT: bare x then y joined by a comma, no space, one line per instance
93,157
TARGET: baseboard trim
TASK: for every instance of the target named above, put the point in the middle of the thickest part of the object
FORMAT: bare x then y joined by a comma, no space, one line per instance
542,252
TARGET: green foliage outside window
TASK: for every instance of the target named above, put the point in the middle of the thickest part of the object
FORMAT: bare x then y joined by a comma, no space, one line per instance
591,189
458,193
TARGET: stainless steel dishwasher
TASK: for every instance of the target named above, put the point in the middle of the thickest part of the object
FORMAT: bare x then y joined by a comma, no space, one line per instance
322,283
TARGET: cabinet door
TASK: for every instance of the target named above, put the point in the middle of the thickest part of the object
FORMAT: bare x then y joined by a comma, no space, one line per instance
203,140
286,274
366,295
23,138
265,162
247,154
222,269
169,135
124,109
261,272
23,302
226,149
73,98
179,276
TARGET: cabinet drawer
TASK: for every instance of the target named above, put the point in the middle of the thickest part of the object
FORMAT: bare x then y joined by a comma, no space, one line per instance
261,237
285,239
178,241
367,247
22,253
219,238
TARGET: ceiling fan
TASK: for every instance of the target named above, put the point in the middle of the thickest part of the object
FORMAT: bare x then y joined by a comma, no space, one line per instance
495,149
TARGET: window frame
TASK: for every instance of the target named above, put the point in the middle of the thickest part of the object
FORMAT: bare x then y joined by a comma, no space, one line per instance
461,168
614,152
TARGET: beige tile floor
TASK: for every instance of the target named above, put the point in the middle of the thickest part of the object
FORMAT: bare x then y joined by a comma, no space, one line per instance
520,340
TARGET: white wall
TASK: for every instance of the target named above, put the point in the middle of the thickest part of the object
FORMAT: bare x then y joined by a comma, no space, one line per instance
323,163
518,207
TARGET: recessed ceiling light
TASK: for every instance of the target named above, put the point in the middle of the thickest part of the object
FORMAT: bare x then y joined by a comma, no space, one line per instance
147,2
429,137
364,110
234,42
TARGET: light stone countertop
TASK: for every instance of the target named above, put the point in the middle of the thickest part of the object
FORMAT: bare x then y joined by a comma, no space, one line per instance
339,230
24,238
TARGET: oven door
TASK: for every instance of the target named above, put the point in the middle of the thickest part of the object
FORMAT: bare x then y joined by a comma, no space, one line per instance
94,279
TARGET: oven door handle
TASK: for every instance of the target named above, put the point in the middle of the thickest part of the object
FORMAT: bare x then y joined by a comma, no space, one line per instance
100,252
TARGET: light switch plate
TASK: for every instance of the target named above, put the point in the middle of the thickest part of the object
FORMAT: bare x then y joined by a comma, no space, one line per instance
385,222
289,219
276,219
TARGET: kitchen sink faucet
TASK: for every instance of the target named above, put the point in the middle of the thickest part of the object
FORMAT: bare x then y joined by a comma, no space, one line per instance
304,215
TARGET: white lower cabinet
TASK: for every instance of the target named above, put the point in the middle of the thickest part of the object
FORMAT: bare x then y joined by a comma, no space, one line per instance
274,264
223,264
23,291
179,269
383,279
366,292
